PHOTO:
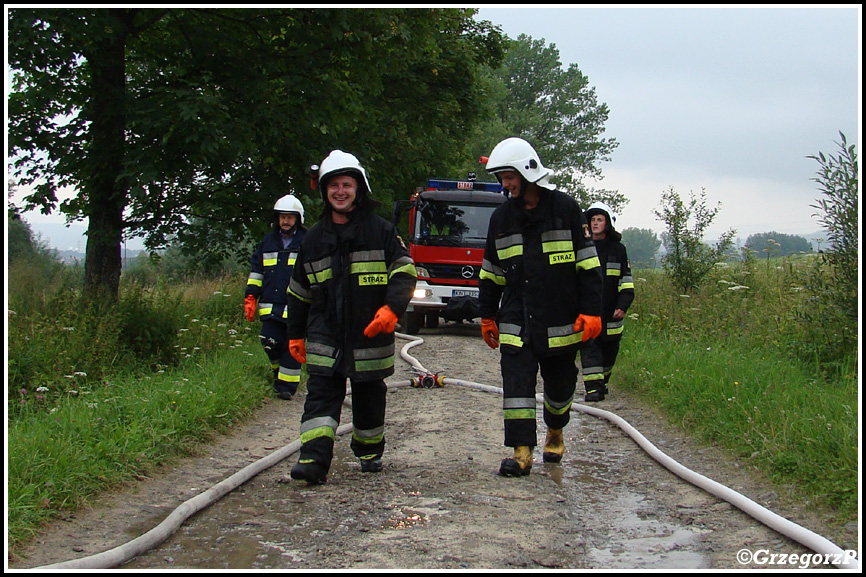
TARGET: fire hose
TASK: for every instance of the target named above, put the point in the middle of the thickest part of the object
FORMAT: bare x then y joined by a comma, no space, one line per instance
425,379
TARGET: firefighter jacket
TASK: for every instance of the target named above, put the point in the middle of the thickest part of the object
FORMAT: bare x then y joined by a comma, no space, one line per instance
545,270
270,271
618,286
344,274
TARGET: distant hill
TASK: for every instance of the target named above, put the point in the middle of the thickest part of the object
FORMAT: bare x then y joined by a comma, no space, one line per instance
70,241
70,237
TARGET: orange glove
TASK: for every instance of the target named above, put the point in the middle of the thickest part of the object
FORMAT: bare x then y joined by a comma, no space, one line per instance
490,332
250,307
298,350
384,321
591,326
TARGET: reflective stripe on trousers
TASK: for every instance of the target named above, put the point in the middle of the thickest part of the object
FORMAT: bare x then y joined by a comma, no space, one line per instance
519,380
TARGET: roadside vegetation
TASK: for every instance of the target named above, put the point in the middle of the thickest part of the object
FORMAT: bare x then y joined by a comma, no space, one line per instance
100,395
736,366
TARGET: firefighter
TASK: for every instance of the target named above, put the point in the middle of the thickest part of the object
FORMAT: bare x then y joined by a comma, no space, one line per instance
540,263
354,278
271,268
598,355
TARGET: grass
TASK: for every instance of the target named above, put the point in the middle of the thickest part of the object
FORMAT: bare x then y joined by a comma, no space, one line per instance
65,456
738,365
757,404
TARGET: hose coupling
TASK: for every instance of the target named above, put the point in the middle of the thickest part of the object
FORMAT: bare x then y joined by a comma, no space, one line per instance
427,380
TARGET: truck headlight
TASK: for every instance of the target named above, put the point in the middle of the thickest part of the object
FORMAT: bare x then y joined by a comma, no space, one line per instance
422,294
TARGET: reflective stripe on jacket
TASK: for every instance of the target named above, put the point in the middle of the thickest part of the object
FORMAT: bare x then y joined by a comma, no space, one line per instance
539,273
271,269
337,287
618,286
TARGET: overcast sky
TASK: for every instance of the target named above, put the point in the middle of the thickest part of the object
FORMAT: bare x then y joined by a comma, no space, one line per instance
730,100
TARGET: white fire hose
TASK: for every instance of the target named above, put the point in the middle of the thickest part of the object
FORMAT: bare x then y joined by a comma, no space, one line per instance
123,553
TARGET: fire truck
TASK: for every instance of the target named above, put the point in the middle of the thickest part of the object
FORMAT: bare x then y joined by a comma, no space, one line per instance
447,231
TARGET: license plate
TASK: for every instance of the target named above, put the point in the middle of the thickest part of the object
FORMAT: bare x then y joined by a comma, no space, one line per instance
464,293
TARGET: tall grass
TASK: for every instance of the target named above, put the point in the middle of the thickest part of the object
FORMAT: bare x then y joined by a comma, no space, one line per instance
98,395
725,364
65,451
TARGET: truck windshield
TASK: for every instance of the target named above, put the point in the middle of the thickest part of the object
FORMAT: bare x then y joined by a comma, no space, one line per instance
440,223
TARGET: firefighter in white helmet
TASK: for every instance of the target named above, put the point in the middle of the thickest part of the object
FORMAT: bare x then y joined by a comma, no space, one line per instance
354,278
540,298
598,356
271,269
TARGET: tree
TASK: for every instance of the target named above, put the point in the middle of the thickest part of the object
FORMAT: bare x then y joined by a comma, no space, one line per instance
777,244
689,259
172,122
839,214
531,96
642,245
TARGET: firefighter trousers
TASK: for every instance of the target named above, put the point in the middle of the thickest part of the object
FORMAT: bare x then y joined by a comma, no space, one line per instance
519,370
322,409
286,370
597,358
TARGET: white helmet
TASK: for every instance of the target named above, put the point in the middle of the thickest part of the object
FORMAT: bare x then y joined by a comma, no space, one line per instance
339,162
599,206
517,154
290,204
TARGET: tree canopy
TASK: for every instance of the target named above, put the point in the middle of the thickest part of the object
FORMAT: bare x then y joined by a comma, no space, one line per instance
170,123
777,244
532,96
642,244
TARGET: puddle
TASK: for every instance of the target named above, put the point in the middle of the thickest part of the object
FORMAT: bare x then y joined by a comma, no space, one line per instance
631,533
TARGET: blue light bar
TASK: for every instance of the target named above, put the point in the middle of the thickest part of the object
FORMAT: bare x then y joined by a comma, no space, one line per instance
442,184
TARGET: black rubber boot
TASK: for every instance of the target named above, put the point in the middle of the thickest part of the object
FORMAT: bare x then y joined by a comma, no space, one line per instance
554,446
371,465
519,465
310,471
594,396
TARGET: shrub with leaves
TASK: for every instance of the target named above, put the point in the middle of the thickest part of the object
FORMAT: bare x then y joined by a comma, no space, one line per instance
689,259
831,312
837,180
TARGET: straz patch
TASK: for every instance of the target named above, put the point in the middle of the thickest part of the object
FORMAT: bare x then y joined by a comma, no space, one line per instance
372,279
586,233
561,257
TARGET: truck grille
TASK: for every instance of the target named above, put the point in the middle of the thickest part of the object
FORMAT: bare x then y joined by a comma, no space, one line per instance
444,272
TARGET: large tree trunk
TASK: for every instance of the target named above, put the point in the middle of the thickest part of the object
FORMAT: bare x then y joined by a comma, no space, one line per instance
105,190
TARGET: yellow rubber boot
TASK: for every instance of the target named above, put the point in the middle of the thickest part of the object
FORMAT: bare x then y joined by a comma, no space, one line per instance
554,446
519,465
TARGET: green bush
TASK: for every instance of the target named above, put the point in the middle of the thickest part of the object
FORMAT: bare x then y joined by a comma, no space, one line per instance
689,259
149,326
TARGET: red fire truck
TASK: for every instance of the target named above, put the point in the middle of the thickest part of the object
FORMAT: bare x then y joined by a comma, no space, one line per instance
447,231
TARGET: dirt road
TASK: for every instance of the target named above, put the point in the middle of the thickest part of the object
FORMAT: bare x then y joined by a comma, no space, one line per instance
439,503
